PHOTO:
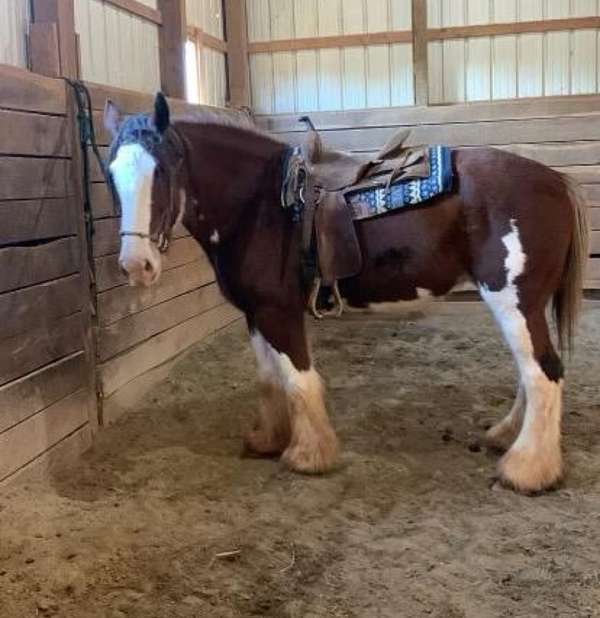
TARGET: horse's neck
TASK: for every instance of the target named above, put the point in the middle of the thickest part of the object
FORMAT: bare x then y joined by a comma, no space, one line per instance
229,170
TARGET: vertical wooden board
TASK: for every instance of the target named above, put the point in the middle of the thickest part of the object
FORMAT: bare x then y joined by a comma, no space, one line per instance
401,14
354,86
530,52
261,73
329,17
221,80
353,16
330,82
402,83
284,82
453,13
378,76
307,81
82,27
435,72
259,20
114,55
478,53
378,15
282,19
13,29
99,42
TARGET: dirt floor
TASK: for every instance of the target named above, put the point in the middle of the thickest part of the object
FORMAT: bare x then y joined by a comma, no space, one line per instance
408,525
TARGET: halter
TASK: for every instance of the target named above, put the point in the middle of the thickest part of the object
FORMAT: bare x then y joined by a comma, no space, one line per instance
161,241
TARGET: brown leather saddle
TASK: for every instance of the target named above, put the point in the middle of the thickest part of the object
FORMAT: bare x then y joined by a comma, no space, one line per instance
328,221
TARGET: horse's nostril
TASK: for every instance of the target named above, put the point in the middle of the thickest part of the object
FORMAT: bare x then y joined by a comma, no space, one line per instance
148,266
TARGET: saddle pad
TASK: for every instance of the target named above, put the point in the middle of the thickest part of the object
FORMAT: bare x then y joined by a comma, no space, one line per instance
375,201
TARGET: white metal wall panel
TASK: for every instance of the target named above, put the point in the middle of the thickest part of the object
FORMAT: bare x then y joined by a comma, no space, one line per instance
206,15
117,48
510,66
329,79
14,25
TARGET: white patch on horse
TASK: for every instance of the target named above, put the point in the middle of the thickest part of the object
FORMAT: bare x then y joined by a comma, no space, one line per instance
534,459
182,205
215,238
132,171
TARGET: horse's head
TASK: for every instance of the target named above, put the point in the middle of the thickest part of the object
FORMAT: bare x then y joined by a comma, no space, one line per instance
145,170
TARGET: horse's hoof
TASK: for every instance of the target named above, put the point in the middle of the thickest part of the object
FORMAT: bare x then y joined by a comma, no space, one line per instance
314,459
530,473
263,444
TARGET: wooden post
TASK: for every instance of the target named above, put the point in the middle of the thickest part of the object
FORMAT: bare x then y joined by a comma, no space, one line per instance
237,52
54,25
173,36
420,58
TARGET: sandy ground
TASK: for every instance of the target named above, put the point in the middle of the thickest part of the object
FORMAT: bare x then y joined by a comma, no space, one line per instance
406,526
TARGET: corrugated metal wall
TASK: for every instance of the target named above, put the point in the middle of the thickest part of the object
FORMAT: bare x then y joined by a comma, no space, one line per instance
329,79
117,48
206,70
14,25
504,67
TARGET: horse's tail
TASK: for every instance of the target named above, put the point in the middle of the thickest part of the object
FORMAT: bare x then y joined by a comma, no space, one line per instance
567,299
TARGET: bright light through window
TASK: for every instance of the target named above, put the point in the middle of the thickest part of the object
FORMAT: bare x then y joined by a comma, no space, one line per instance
191,73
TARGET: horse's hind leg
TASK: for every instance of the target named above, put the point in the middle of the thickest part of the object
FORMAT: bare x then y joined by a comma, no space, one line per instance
293,415
503,434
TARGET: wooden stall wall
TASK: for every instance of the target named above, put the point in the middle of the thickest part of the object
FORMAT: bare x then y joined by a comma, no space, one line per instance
138,330
359,76
205,53
47,399
116,46
14,26
509,66
563,132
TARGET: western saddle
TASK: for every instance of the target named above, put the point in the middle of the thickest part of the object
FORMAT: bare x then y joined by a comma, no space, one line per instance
328,229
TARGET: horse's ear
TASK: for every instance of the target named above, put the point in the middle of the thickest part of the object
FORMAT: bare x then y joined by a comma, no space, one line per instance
112,117
161,113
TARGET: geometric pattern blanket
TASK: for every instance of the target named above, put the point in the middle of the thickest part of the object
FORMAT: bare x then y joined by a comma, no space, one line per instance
371,202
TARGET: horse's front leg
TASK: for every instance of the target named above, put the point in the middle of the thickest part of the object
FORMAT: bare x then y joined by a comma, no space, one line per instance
293,419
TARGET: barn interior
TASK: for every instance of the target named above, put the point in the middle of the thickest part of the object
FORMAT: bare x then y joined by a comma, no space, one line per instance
124,490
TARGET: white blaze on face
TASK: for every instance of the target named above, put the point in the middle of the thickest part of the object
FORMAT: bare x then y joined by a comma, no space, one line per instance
133,173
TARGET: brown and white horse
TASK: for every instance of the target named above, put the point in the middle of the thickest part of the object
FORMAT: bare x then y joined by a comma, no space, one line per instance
513,226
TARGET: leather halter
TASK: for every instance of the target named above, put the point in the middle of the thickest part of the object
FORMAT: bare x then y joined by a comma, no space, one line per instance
161,241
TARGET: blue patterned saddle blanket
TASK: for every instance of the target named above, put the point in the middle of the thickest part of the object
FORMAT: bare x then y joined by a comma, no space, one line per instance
373,201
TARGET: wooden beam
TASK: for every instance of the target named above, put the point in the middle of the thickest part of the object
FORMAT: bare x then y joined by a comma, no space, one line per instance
173,36
61,13
420,55
44,53
238,70
523,27
138,8
207,40
328,42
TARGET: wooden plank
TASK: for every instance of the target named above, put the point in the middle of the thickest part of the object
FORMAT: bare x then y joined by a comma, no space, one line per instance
24,220
33,437
37,178
39,305
134,329
26,91
62,13
181,251
522,27
595,242
38,390
584,174
595,218
206,39
237,58
117,303
330,42
62,456
593,269
33,134
23,266
573,153
420,54
44,52
172,37
138,8
119,371
102,201
536,108
591,192
30,350
564,129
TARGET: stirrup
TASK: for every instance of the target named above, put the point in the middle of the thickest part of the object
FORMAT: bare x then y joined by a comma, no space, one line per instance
338,308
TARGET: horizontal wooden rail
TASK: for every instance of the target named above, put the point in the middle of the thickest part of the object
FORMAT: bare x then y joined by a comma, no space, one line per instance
432,34
207,40
328,42
523,27
138,8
